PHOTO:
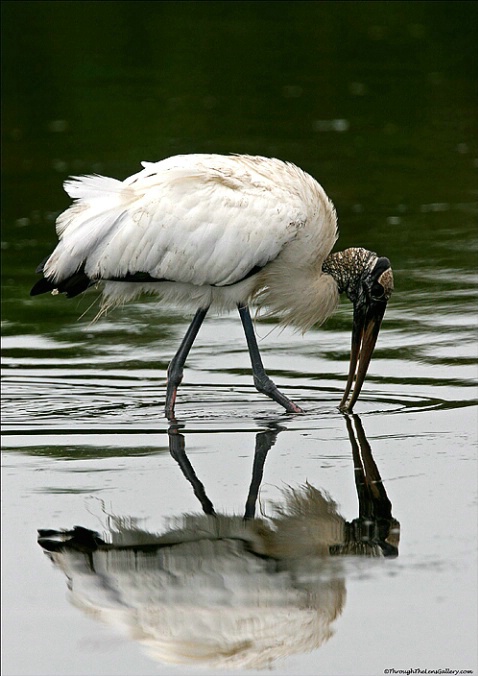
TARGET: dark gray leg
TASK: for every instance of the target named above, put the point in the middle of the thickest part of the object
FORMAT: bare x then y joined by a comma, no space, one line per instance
261,380
175,368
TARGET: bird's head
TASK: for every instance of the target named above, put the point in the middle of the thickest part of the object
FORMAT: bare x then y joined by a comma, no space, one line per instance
367,280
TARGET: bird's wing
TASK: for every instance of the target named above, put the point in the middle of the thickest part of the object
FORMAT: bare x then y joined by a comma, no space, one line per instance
194,224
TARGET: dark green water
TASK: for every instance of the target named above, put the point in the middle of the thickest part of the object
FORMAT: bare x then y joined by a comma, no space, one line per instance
378,101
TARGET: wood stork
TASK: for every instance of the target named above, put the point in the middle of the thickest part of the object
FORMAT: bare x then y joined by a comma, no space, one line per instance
219,231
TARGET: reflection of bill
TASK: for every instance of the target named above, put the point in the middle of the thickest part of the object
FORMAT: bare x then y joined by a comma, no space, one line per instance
226,591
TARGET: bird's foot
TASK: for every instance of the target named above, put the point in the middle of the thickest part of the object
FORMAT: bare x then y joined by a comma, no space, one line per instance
265,385
293,408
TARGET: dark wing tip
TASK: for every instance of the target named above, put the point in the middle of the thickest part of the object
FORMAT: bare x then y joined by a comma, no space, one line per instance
40,266
42,286
75,284
71,286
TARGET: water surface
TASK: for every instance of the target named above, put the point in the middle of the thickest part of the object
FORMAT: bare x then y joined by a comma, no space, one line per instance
377,101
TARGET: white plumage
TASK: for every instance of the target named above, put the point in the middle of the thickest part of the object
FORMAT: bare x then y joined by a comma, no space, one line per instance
208,231
202,222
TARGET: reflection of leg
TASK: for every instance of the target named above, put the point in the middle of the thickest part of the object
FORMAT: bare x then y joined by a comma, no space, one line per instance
261,380
264,442
175,368
178,452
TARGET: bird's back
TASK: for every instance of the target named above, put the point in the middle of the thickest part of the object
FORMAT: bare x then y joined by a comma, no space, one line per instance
191,220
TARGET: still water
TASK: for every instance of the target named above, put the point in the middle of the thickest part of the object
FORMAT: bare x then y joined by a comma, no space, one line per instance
358,553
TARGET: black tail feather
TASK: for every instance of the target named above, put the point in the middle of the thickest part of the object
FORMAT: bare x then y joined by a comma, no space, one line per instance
72,286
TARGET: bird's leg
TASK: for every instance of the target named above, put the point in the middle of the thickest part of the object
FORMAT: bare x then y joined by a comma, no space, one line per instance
176,366
261,380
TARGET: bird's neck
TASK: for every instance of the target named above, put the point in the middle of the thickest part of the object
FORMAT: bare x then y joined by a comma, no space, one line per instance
347,268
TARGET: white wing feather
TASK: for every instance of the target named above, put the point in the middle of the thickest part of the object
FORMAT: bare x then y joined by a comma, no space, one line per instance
201,222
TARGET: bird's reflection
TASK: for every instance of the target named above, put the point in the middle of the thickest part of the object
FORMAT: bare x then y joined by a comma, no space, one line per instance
231,591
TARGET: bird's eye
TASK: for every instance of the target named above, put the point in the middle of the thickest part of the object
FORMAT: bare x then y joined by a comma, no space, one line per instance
377,292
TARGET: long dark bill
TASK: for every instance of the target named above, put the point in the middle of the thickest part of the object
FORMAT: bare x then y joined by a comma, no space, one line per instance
367,321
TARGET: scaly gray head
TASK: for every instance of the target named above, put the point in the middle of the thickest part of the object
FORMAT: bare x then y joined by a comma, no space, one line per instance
368,282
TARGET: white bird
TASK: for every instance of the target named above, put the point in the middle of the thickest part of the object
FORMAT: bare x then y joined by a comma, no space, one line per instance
219,231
